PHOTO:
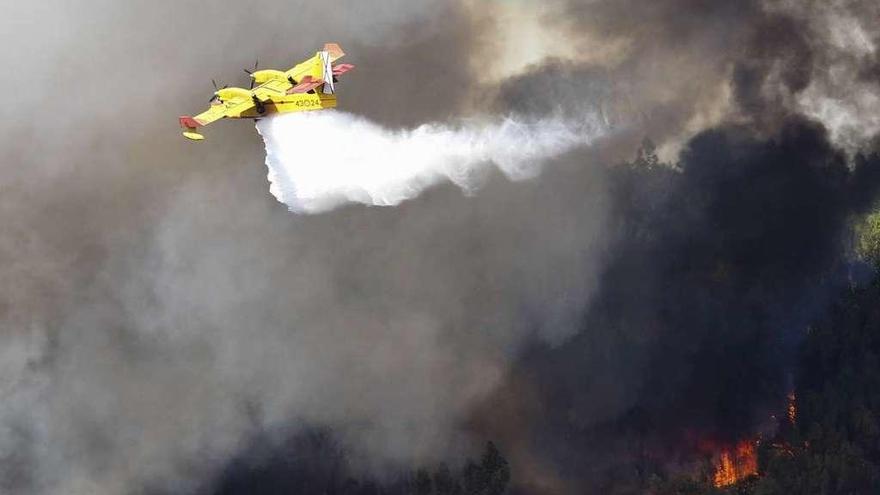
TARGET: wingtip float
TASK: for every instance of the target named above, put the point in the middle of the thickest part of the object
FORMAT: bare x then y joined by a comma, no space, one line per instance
310,85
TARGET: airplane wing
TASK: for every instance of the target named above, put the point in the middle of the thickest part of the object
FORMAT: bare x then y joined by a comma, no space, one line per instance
213,114
190,124
226,109
274,87
238,106
216,112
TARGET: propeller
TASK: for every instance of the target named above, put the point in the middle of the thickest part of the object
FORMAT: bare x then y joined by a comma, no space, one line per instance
214,83
250,72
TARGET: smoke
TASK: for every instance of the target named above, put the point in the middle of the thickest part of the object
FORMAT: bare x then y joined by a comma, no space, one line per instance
320,160
718,264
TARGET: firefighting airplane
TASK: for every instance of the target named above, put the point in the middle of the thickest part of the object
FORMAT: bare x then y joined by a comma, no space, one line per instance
311,85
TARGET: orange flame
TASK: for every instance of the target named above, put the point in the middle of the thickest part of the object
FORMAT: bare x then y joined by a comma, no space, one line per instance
792,408
734,465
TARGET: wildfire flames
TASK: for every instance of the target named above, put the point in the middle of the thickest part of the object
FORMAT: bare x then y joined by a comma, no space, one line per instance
736,464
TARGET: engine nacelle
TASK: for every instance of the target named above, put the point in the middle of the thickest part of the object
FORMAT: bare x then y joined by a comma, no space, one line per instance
226,94
262,76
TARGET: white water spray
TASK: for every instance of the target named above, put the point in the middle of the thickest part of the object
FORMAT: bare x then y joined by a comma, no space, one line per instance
320,160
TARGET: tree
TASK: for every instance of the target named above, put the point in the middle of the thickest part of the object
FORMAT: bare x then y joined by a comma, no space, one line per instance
495,470
423,482
490,476
444,483
647,155
868,239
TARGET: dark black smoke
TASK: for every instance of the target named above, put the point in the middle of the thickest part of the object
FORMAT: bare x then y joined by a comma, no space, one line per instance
718,269
719,265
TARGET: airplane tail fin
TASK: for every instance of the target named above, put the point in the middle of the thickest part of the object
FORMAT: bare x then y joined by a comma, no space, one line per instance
327,72
331,53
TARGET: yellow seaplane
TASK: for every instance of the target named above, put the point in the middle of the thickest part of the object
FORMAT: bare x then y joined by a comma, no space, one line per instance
311,85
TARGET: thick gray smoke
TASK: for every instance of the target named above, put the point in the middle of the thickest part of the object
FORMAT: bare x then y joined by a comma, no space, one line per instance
680,66
158,307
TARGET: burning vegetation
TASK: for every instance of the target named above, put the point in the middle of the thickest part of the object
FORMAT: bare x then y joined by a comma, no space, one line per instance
735,464
826,435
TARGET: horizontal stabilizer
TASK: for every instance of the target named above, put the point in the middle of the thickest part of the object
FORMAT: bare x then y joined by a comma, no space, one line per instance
307,84
342,69
195,136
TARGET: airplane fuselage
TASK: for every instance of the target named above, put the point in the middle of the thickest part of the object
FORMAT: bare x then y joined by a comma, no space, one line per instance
301,102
